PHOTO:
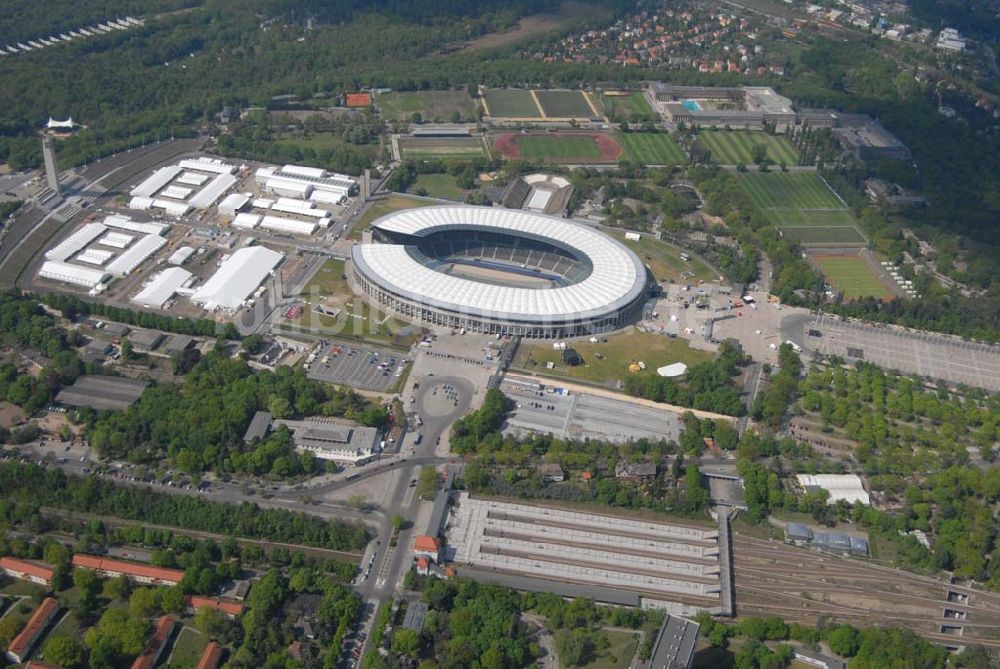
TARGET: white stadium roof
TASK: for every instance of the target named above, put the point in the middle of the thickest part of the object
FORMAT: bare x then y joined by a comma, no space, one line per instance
617,278
237,278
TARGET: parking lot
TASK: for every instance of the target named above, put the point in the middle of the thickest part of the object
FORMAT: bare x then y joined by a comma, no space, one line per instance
583,416
362,367
923,353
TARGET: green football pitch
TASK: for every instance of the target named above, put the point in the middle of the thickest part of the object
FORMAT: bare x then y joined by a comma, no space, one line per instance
651,148
732,147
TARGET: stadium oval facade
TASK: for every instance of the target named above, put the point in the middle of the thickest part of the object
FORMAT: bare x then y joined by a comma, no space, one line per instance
502,271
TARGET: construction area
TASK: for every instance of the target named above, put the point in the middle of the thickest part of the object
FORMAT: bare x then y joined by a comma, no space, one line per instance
925,354
803,585
575,415
668,565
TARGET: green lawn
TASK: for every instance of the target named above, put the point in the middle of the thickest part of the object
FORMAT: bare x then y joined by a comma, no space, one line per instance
512,103
437,185
731,147
651,148
852,276
626,108
429,148
789,190
618,655
558,148
69,626
665,261
384,206
356,318
564,104
187,650
434,106
654,349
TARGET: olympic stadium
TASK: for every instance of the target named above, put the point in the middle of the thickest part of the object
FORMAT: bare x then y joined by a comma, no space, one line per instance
499,271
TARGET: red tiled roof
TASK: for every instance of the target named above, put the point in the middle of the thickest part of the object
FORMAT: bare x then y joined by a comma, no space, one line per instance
147,658
39,619
30,568
427,543
212,656
423,563
128,568
359,99
41,665
226,606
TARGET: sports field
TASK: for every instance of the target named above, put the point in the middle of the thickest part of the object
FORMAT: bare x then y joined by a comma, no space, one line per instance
651,148
789,190
427,148
852,276
540,147
436,106
803,206
564,104
511,103
568,147
732,147
627,107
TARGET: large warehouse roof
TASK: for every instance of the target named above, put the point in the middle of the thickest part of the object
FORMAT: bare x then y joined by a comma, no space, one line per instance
846,487
238,277
58,270
617,278
162,287
75,242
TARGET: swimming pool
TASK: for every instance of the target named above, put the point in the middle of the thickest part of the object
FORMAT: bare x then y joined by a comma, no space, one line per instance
692,105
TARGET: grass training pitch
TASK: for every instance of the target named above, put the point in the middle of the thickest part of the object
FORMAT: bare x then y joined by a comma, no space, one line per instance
380,208
665,262
789,190
651,148
628,107
564,104
732,147
574,147
804,207
852,276
429,148
435,106
511,103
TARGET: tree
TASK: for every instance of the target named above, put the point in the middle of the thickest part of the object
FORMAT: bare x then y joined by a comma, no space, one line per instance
406,641
145,602
844,640
118,588
398,522
427,483
65,652
252,344
576,647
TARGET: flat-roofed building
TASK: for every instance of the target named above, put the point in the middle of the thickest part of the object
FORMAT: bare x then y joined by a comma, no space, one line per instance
22,644
162,287
847,487
102,392
75,275
27,570
333,440
675,644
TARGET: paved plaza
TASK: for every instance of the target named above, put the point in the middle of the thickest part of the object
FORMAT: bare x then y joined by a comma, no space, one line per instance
925,354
